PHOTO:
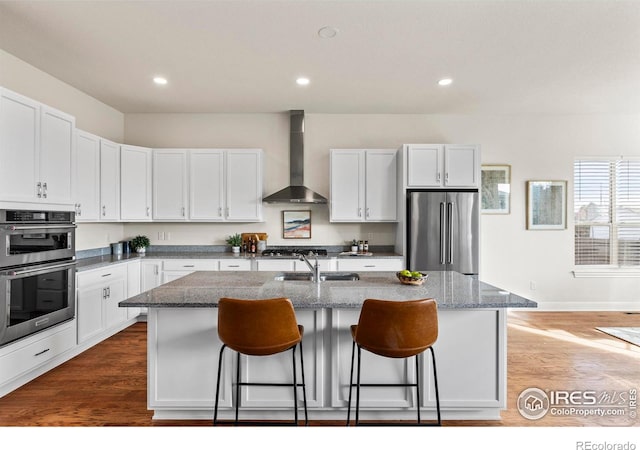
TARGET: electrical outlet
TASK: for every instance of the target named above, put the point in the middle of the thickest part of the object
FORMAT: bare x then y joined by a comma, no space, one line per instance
167,235
532,285
159,235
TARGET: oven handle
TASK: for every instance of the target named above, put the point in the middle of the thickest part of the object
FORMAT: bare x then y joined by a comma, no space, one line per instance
40,269
38,227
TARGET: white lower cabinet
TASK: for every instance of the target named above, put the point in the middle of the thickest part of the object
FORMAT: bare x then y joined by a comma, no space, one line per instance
99,292
173,269
285,265
34,351
134,285
235,265
370,264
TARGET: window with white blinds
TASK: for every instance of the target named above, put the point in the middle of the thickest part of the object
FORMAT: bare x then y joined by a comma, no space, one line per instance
607,212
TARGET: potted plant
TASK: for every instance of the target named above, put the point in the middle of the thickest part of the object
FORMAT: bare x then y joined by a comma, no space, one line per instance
235,241
140,243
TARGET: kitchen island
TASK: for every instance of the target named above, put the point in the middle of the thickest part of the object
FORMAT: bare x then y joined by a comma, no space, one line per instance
183,346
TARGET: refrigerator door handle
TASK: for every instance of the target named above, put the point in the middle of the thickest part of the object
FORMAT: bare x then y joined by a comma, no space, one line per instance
442,233
449,233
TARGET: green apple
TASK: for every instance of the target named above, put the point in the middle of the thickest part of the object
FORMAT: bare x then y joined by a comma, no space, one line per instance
416,275
405,273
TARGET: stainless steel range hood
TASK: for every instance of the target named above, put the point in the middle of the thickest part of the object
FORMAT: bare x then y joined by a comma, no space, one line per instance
296,192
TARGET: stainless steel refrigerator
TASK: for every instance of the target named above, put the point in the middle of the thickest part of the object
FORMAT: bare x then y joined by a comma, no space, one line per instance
443,230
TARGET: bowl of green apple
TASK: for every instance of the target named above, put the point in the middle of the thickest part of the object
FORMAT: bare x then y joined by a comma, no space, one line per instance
412,278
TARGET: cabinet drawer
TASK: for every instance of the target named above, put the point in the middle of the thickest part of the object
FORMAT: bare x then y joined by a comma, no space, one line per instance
190,264
232,264
101,275
30,356
371,265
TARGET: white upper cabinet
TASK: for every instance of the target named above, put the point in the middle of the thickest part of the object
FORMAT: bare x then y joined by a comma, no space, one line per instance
87,182
135,183
206,185
109,181
170,184
442,165
243,182
363,185
36,151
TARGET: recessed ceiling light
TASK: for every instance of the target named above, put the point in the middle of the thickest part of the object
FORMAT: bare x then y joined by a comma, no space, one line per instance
445,82
160,80
302,81
327,32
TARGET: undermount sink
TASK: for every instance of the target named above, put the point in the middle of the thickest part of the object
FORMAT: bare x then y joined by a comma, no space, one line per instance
308,276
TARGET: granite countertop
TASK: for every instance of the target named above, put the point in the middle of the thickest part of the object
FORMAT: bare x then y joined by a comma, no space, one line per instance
97,262
452,290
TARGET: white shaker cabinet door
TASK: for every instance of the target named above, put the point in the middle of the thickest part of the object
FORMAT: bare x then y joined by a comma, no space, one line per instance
206,185
87,183
170,184
135,183
19,147
462,164
347,185
109,181
425,165
244,185
56,155
380,191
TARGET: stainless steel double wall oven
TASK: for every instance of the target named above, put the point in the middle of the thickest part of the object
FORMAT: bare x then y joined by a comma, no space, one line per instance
37,271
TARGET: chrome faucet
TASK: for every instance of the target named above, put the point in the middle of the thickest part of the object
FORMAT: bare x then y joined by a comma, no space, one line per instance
314,269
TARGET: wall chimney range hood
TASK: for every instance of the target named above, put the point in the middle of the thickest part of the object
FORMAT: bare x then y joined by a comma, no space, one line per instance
296,192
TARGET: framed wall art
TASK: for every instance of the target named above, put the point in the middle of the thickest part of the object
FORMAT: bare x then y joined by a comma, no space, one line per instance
546,205
296,224
496,189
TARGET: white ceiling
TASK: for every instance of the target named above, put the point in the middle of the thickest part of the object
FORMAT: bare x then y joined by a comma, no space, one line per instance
243,56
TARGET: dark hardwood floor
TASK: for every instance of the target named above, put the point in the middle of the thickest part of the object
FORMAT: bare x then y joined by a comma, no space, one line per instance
106,385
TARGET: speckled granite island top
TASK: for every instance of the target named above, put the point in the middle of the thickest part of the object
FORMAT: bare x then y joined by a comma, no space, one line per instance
452,290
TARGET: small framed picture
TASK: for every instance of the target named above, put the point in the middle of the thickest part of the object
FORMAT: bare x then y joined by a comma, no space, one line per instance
496,189
296,224
546,205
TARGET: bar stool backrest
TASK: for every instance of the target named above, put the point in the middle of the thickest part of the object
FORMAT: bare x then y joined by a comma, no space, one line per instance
397,329
258,327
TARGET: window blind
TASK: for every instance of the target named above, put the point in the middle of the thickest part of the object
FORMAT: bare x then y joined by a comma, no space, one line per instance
607,212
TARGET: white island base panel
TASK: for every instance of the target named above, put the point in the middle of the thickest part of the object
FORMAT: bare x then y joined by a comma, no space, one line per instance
183,349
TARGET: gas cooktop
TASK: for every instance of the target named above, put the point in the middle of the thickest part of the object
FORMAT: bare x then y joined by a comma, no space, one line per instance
294,251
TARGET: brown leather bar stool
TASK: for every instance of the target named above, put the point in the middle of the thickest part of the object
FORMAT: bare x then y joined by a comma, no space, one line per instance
395,329
260,328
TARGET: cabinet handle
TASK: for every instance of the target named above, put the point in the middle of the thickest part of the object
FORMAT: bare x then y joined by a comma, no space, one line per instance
368,212
39,186
109,292
188,265
104,210
79,209
220,211
42,352
104,293
446,177
227,209
183,211
369,265
233,265
155,270
44,190
359,212
106,275
148,211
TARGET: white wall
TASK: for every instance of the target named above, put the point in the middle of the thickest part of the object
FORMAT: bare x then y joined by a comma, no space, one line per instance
91,115
536,147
